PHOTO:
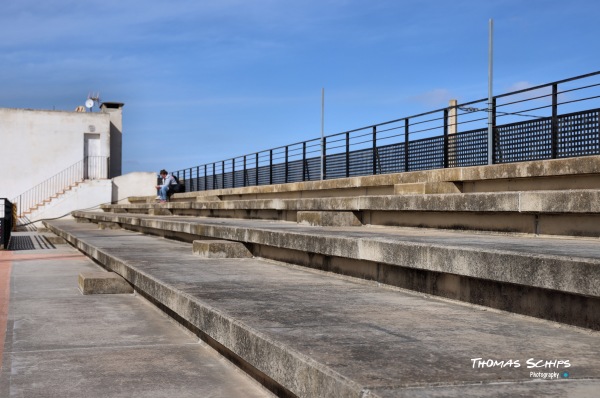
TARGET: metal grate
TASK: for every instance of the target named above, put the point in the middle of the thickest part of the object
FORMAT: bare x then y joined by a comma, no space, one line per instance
21,243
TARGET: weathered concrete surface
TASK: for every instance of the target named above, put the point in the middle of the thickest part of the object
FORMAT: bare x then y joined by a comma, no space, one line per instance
320,335
103,283
572,168
566,201
60,343
561,264
220,249
328,218
427,188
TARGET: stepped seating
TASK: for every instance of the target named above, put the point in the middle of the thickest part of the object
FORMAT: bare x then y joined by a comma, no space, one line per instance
345,297
310,334
557,197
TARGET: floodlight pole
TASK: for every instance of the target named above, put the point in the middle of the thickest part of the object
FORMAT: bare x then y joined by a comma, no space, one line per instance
322,132
490,92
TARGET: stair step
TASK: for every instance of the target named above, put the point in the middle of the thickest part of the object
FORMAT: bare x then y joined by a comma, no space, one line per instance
474,267
318,335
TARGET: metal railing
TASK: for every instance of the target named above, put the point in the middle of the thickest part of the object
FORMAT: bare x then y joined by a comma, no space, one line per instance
553,120
90,168
6,222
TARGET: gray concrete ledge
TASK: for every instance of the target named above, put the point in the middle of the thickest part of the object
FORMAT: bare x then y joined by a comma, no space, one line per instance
103,283
328,218
531,169
585,201
321,336
220,249
561,264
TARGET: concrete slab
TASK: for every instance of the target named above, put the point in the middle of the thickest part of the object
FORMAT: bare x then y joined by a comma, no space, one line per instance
60,343
220,249
103,283
561,264
328,218
320,335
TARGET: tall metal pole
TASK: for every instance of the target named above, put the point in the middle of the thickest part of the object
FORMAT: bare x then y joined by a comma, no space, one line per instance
322,131
490,93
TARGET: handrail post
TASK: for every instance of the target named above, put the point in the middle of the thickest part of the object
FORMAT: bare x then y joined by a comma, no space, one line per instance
304,166
205,177
324,158
233,172
214,177
270,166
374,150
286,164
347,154
245,175
256,176
406,124
445,138
554,140
495,141
222,174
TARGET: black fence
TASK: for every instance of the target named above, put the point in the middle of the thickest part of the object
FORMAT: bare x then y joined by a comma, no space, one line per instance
550,121
6,222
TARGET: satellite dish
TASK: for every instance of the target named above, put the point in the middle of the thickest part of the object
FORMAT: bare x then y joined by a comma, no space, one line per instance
89,103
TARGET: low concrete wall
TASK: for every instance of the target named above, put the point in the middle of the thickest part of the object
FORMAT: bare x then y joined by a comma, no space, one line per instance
133,184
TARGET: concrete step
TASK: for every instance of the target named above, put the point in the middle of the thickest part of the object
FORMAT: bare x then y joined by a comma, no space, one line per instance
60,343
570,212
557,174
317,335
548,277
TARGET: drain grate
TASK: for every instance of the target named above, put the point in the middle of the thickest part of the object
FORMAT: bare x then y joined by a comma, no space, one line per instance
29,242
21,243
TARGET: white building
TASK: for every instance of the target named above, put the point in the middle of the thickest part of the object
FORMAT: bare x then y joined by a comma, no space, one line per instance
57,161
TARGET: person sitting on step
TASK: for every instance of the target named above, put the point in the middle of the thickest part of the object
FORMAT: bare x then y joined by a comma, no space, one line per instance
168,184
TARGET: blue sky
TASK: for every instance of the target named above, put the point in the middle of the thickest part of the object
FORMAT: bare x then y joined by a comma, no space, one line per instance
209,80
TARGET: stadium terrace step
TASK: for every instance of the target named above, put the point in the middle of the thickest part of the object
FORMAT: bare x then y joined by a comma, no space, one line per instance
310,334
530,275
562,212
556,174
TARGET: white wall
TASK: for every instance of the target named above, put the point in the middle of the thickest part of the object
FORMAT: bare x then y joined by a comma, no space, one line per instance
36,145
133,184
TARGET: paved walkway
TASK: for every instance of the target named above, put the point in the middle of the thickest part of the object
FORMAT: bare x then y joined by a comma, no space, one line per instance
390,342
55,342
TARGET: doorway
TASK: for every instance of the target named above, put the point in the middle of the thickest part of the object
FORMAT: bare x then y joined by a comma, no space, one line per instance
92,162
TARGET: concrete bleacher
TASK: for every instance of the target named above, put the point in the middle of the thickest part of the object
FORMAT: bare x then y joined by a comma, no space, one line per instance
385,285
555,197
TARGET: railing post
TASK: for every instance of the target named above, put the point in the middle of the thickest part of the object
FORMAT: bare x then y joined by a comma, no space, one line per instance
324,158
214,177
304,166
206,177
197,178
233,172
554,142
446,138
495,141
286,164
270,166
245,172
222,174
347,154
256,177
406,124
374,150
